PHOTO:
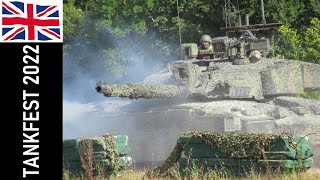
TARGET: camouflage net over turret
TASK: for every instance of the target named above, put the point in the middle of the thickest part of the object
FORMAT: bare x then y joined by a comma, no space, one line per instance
248,149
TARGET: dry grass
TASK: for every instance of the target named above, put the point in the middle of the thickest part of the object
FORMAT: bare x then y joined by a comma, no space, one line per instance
309,175
133,175
312,174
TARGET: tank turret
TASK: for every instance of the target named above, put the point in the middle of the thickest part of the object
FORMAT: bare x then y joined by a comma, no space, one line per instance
212,79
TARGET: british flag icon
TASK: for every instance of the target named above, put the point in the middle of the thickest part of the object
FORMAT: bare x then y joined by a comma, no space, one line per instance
31,21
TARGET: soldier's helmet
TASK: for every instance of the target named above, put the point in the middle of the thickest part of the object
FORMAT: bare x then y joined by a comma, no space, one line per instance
205,41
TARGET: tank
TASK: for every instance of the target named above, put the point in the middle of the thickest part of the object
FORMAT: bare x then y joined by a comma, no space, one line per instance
239,87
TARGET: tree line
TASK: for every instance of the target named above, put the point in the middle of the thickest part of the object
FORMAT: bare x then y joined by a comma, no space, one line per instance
114,37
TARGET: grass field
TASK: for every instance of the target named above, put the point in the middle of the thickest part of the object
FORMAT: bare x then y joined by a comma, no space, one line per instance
312,174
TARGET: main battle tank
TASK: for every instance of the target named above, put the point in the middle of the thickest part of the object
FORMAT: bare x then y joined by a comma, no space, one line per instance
240,88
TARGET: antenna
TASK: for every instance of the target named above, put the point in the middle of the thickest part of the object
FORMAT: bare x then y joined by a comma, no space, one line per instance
240,24
228,5
229,13
226,9
179,27
262,12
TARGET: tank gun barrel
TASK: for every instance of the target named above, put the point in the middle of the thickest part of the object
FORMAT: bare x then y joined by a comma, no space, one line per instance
137,90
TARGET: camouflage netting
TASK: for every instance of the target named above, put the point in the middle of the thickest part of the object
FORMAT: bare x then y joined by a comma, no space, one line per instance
236,146
104,155
86,156
111,152
135,91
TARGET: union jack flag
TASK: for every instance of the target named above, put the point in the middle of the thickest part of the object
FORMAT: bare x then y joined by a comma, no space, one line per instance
27,20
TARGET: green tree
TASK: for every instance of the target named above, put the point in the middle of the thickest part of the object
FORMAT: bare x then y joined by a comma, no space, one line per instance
290,43
108,33
286,12
72,18
312,42
301,46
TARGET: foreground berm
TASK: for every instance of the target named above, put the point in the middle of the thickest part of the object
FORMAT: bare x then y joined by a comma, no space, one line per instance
230,154
104,155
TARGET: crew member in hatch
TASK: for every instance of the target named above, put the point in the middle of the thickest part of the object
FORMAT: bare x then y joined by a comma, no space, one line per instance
205,47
